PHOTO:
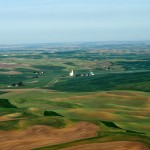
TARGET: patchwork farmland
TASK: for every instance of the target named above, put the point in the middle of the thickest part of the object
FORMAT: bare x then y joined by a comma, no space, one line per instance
42,107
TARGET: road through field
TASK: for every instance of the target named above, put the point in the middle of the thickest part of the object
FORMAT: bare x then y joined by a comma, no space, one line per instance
53,81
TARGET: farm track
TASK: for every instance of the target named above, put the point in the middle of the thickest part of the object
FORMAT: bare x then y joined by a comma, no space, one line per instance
52,82
25,90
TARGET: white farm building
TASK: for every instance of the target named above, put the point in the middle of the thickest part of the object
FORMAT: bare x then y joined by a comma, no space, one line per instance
71,74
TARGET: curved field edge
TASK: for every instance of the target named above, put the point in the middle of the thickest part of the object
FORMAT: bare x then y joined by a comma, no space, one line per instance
100,139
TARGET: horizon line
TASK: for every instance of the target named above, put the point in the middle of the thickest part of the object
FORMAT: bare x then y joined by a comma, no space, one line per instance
73,42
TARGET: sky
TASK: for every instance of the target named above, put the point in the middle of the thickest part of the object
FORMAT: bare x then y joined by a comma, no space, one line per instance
45,21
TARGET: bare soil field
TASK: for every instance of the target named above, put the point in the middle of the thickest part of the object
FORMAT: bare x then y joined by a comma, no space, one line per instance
12,65
39,135
5,118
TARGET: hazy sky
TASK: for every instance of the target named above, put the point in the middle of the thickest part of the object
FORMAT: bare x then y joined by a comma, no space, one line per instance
38,21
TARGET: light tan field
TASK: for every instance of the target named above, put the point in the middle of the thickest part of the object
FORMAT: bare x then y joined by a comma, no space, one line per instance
11,72
89,114
38,136
4,118
119,145
12,65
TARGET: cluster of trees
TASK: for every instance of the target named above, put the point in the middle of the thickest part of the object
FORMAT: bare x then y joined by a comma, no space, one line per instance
38,72
18,84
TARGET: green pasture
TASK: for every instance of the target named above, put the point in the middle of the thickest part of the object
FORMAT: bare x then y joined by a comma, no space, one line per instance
136,81
59,64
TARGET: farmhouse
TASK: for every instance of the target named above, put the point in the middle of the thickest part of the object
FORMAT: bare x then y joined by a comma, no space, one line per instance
85,74
91,74
18,84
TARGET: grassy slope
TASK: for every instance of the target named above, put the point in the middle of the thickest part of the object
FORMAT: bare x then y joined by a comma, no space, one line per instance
129,112
28,121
